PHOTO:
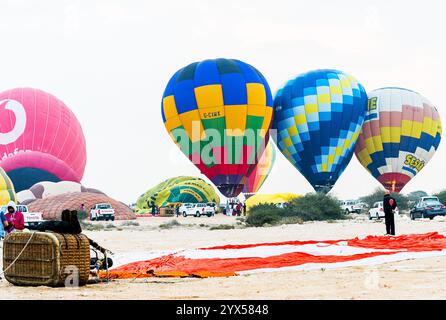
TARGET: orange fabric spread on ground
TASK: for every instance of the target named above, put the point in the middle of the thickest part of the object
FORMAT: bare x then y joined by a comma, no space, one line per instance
179,266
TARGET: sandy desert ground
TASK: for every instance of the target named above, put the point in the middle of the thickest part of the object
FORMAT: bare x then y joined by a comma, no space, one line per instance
410,279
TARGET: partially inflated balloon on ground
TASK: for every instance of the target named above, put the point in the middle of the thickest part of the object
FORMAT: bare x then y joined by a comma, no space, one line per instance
40,139
401,133
7,192
318,117
178,190
47,189
219,113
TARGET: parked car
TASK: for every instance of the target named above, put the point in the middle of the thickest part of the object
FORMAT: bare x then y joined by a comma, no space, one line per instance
197,209
102,211
377,211
184,208
351,206
428,207
31,218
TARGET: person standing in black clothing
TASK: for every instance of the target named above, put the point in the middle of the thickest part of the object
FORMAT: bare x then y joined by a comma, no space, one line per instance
389,205
153,206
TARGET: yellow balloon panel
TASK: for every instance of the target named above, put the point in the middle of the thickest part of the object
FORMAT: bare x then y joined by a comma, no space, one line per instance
7,192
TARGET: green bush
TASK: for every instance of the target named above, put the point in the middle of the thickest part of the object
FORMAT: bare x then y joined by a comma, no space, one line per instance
264,214
170,224
315,207
82,215
311,207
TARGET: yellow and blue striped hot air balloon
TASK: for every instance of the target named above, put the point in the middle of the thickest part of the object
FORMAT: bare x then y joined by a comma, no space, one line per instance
318,117
219,113
401,132
7,192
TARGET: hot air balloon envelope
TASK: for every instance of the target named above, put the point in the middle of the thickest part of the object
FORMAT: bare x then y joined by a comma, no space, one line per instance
318,117
401,132
40,139
178,190
219,113
7,192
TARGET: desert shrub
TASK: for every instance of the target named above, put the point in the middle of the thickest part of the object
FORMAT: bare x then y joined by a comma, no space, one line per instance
264,214
311,207
92,227
170,224
222,227
82,215
130,224
315,207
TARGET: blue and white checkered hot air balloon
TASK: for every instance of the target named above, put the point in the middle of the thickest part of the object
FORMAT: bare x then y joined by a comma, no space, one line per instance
318,117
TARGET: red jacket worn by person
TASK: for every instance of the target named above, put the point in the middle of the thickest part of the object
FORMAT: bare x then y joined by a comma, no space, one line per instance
16,220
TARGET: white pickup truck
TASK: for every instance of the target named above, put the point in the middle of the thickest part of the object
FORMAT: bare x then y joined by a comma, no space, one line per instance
31,218
102,211
197,209
350,206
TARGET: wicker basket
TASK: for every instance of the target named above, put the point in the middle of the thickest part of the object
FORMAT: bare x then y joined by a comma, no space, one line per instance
48,259
167,212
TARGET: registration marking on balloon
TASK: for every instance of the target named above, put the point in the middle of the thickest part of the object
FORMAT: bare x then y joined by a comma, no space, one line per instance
231,260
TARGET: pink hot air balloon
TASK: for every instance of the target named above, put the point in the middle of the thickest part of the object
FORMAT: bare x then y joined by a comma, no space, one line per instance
40,139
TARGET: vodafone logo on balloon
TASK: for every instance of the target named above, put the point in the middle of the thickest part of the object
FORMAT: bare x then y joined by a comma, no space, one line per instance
20,121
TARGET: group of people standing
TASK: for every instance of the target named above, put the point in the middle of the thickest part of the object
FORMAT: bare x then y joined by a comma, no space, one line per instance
235,208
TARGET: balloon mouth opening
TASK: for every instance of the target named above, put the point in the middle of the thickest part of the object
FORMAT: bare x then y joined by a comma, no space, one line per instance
230,190
324,189
248,195
394,182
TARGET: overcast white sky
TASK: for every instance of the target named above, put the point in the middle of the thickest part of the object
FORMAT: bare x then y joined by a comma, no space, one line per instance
110,60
